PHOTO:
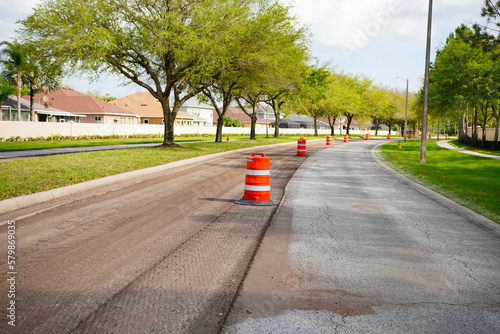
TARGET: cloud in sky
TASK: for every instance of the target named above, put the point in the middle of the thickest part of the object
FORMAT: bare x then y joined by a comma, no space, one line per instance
382,39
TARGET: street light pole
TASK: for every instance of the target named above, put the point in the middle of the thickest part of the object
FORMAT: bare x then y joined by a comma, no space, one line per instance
423,144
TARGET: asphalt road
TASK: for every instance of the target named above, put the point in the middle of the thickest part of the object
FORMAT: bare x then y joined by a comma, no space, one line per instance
162,253
355,249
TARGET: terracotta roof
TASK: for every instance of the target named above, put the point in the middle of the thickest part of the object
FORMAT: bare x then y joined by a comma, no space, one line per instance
145,105
238,114
25,106
68,99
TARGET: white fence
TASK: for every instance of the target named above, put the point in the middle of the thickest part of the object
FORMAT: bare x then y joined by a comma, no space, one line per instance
10,129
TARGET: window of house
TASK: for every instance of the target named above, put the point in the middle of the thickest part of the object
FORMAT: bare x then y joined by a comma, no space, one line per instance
97,118
146,121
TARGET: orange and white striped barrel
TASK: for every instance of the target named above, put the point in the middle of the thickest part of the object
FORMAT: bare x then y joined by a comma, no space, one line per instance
346,138
329,140
367,136
388,136
301,147
257,181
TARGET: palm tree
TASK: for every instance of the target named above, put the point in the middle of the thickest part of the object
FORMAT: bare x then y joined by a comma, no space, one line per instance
13,57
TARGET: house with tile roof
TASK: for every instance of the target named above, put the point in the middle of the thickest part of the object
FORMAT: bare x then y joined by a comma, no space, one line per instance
150,111
238,114
42,113
95,110
202,113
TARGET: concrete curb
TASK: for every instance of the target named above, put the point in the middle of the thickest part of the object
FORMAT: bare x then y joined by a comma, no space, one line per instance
24,201
472,216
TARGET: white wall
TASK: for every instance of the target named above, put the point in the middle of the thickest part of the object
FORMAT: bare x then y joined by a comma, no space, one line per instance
42,129
490,133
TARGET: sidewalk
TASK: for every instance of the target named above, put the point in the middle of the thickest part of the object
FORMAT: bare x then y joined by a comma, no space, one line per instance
444,144
65,150
355,248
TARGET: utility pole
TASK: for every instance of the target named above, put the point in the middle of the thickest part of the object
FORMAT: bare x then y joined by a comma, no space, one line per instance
423,144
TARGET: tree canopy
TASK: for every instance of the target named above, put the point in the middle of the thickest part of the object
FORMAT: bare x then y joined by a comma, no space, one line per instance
464,81
174,49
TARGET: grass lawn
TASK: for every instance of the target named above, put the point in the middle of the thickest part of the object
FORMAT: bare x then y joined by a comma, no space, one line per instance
469,180
26,176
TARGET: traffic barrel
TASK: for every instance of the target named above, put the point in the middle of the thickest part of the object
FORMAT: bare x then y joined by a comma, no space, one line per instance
329,140
301,147
388,136
257,181
367,136
346,138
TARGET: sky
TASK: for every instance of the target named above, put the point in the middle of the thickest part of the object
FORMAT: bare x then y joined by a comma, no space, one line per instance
385,40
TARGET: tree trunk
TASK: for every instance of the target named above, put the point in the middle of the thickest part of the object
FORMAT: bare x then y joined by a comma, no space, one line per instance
277,119
253,119
169,119
32,101
474,127
497,125
19,82
349,120
331,122
220,126
376,121
315,127
277,125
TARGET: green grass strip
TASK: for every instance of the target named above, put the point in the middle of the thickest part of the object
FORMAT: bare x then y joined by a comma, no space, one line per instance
27,176
469,180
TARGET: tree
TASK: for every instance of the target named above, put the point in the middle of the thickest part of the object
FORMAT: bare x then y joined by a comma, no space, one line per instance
106,97
273,53
248,100
171,48
42,71
311,93
6,90
232,122
492,11
351,96
13,59
465,77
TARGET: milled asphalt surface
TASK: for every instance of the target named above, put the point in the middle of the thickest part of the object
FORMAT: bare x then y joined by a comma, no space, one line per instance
356,248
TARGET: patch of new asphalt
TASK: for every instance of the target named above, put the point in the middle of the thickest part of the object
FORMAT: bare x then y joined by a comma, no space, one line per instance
357,248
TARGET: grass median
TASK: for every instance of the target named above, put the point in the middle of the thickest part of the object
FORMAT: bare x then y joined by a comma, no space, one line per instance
31,175
469,180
